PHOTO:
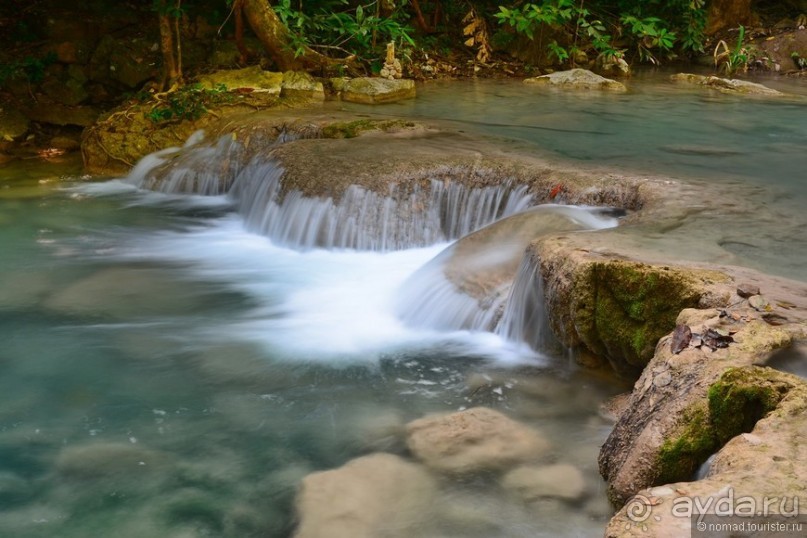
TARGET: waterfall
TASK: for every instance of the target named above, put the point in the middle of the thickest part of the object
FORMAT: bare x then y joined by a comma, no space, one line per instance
525,317
406,216
365,220
487,282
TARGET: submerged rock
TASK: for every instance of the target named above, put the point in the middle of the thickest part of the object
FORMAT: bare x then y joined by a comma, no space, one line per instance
373,91
473,440
532,482
106,460
725,85
578,79
376,495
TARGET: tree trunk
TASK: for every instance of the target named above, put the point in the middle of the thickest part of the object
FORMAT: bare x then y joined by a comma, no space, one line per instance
725,14
171,74
276,39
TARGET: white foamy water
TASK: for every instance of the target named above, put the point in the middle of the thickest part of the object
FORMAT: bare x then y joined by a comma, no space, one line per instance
314,305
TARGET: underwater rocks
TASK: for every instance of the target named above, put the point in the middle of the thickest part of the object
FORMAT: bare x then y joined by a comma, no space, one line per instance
473,440
532,482
577,79
376,495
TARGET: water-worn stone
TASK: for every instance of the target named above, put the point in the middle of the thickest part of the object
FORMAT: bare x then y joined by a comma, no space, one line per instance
531,482
248,77
618,309
373,91
302,85
376,495
473,440
578,79
106,460
726,85
13,124
746,290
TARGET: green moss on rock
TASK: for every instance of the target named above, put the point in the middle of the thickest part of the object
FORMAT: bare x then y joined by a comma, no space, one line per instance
741,397
630,306
681,455
352,129
736,402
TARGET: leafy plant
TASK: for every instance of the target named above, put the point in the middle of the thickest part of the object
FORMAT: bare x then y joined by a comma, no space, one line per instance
732,60
654,30
334,24
30,68
188,103
801,63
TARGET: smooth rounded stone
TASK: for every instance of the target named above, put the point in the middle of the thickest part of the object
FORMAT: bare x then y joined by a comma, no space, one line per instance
373,91
376,495
249,77
473,440
123,293
108,459
377,429
746,290
13,124
301,84
562,481
578,79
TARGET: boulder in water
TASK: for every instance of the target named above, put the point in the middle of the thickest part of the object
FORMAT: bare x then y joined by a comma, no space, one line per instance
532,482
578,79
373,91
726,85
473,440
376,495
301,85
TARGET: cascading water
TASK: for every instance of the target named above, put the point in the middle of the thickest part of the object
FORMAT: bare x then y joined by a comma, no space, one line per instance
470,285
403,217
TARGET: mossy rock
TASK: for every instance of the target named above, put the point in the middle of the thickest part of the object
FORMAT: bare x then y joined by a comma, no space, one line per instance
736,402
352,129
373,91
620,309
248,77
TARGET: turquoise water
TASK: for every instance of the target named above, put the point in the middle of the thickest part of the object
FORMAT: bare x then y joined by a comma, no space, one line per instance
756,149
166,373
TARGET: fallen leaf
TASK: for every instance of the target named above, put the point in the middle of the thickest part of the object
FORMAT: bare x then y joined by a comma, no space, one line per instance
714,340
680,339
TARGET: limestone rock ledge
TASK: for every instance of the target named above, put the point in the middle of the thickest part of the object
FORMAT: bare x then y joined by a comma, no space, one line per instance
618,308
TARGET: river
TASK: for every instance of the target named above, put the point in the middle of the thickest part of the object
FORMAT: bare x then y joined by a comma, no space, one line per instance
168,372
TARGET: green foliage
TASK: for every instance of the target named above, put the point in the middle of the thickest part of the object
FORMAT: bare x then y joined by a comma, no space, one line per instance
335,24
732,60
30,68
801,63
188,103
651,29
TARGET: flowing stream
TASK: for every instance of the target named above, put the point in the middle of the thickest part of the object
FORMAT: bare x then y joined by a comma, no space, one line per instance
174,363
